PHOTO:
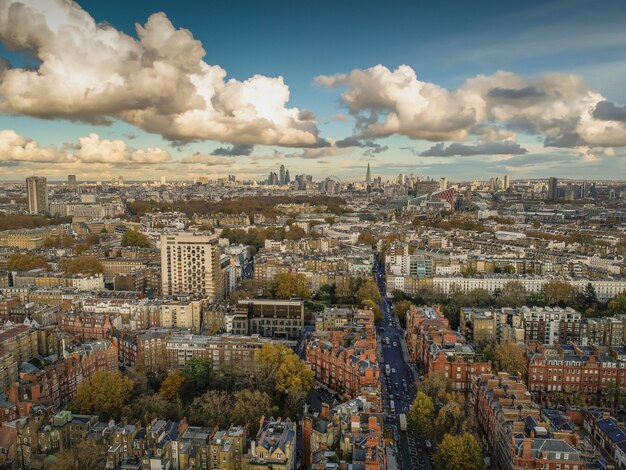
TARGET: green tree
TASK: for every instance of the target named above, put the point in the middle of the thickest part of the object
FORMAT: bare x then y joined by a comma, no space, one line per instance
26,262
212,408
435,385
451,419
459,453
617,305
86,454
197,373
135,238
82,265
421,415
509,357
104,395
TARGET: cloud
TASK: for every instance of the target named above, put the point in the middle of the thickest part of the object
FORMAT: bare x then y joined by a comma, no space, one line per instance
339,117
385,102
203,159
234,151
157,80
372,147
90,149
607,111
516,93
506,147
310,154
16,148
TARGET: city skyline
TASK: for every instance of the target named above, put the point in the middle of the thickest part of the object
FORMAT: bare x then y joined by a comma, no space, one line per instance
456,91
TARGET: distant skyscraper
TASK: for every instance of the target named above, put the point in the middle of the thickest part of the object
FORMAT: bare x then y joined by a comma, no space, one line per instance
507,182
368,176
281,175
71,182
190,264
553,192
443,183
37,190
287,177
163,180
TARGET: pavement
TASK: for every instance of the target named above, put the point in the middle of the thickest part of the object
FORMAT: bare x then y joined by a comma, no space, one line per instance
411,451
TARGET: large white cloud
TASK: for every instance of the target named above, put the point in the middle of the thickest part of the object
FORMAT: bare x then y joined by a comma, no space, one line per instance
90,149
158,81
560,107
17,148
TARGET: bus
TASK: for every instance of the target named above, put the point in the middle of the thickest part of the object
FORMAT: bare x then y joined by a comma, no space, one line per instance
402,422
392,406
387,370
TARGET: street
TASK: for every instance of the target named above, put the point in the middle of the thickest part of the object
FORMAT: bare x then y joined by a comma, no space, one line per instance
397,387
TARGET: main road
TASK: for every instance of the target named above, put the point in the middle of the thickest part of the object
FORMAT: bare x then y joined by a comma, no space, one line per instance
398,386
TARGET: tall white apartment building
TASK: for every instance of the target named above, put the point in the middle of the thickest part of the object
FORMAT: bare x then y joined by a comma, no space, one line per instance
190,264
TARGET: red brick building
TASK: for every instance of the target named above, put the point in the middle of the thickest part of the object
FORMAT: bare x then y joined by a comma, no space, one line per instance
419,321
573,370
345,358
88,327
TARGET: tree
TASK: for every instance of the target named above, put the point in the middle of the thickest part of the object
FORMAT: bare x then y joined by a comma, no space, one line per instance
617,305
366,290
237,295
451,419
367,239
509,357
172,385
104,395
295,232
82,265
197,373
401,308
288,285
513,295
92,239
86,454
436,386
248,407
149,407
284,374
421,415
26,262
558,292
459,453
587,299
212,408
135,238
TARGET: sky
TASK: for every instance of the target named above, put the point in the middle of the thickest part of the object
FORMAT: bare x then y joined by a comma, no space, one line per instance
466,90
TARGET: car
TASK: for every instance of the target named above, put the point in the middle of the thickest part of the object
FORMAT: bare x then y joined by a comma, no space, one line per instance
397,396
395,345
393,370
396,385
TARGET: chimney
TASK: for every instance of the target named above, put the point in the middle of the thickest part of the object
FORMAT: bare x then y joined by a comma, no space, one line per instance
526,448
325,411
